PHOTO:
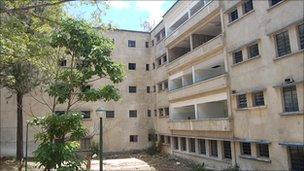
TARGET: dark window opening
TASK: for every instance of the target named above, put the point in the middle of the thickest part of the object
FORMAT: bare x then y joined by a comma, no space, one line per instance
155,112
238,57
283,44
133,138
263,150
132,113
233,15
227,149
148,89
242,101
247,6
132,89
273,2
202,146
110,114
86,114
147,44
132,66
213,148
192,145
131,43
183,144
296,154
149,113
253,51
301,35
147,67
166,111
175,139
246,148
258,99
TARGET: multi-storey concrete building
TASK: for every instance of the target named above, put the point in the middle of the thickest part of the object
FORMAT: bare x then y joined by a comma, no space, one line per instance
219,82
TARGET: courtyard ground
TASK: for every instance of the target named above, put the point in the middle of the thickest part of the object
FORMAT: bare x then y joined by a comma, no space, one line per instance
138,161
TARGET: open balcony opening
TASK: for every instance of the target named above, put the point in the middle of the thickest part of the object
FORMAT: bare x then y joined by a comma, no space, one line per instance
183,113
206,33
209,69
179,22
179,50
216,109
187,79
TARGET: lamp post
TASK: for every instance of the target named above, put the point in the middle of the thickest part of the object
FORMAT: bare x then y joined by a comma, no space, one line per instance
100,111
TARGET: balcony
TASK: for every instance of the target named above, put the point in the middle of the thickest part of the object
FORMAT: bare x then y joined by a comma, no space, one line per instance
202,86
211,46
210,124
195,20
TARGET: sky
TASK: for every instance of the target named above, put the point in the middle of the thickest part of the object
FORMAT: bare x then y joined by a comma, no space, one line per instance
125,14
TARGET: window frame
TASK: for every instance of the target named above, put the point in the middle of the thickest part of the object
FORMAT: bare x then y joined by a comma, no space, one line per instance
296,97
238,101
110,114
86,113
234,54
301,46
132,66
278,55
147,67
130,43
148,89
192,145
132,113
183,143
230,15
201,150
271,5
260,152
149,113
245,152
244,6
249,48
213,151
227,152
254,102
132,89
133,138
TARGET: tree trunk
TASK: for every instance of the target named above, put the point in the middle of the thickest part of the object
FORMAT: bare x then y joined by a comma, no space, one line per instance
19,148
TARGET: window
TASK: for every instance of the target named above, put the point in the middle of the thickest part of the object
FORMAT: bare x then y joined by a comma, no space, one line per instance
202,146
247,6
165,58
273,2
149,113
152,43
168,139
183,144
155,112
290,99
162,139
258,98
63,62
301,35
85,143
110,114
166,84
86,114
153,65
133,138
242,101
213,148
283,45
253,51
166,111
159,61
161,112
132,113
148,89
227,149
151,137
191,145
154,88
238,57
131,43
296,154
175,140
263,150
132,89
246,148
160,86
233,15
147,44
147,67
132,66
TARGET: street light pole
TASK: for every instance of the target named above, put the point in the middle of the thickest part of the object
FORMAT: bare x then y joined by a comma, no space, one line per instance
100,145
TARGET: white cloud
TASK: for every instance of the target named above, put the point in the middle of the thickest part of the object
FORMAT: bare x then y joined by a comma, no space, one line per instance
119,4
153,8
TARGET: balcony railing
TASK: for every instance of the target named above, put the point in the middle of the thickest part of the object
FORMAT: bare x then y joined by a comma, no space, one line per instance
208,124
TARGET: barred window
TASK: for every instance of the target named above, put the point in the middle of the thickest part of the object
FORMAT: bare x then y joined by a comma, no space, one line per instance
202,146
290,99
227,149
149,113
246,148
258,99
132,113
213,148
86,114
110,114
148,89
133,138
192,145
147,67
247,6
237,57
253,51
283,44
166,111
301,35
263,150
242,101
296,154
132,89
233,15
183,144
161,112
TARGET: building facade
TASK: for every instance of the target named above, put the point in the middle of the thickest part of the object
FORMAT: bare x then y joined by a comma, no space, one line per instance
219,82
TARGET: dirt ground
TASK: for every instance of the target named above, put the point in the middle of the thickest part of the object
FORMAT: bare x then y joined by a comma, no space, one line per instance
158,162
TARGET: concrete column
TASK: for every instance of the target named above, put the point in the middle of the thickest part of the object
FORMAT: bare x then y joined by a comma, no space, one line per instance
293,39
193,74
196,146
254,149
179,144
191,42
171,144
220,150
187,145
207,143
195,110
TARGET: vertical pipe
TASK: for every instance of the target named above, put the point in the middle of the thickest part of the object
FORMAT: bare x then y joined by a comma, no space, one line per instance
26,145
100,145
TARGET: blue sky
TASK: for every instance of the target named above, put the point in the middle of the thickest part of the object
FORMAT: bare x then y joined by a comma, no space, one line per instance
125,14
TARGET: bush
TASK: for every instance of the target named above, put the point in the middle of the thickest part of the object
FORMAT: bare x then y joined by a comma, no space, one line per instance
200,167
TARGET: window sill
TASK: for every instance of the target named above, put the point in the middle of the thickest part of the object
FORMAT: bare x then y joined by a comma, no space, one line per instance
267,160
202,156
288,55
243,16
257,107
292,113
273,6
245,61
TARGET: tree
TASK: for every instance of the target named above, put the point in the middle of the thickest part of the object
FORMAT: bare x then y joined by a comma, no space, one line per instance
88,57
24,47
